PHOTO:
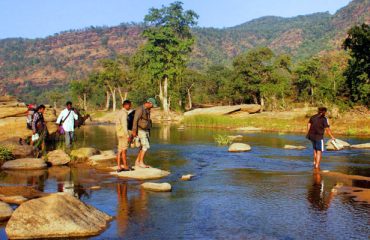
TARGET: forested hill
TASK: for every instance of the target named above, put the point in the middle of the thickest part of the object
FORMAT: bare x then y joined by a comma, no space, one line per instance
69,55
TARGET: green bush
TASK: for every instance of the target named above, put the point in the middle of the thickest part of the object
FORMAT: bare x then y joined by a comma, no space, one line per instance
5,154
222,139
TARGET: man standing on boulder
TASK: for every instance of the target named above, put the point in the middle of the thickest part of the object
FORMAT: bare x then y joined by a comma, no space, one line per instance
123,136
141,128
66,120
316,128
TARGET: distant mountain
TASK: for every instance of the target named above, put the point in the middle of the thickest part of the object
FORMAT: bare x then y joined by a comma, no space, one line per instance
70,55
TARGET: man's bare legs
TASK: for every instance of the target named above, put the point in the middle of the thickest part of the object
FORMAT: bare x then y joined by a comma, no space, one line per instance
140,159
122,154
317,159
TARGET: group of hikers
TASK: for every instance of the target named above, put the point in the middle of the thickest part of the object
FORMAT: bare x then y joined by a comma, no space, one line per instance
133,129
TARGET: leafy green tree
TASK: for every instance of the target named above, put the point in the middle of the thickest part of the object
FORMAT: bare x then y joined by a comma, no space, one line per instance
82,90
358,71
169,42
252,72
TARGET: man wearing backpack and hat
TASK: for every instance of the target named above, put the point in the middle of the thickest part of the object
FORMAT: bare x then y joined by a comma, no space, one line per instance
141,128
66,122
123,135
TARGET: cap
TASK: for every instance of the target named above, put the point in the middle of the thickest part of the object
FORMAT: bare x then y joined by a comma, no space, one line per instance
152,101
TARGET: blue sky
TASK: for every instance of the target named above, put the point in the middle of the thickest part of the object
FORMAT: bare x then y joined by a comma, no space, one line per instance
40,18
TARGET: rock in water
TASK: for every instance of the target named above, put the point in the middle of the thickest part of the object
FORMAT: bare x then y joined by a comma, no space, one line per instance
142,173
340,144
157,187
24,164
101,159
292,147
239,147
235,137
5,211
58,157
83,154
57,215
187,177
361,146
18,150
18,200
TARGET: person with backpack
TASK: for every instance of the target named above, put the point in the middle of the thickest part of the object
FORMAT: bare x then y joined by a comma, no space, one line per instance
66,121
39,131
123,135
30,112
316,128
141,128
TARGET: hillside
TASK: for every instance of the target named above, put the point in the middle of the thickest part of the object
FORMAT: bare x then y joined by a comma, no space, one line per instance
26,63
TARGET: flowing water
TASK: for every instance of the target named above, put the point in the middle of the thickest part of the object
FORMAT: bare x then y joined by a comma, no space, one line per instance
268,193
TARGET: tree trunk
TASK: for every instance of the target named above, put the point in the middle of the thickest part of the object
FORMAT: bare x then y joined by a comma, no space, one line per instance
114,99
262,103
125,95
55,105
120,95
189,99
160,91
165,103
108,101
255,99
84,101
312,92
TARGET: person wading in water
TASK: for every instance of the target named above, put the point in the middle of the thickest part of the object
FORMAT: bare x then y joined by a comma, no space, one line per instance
316,128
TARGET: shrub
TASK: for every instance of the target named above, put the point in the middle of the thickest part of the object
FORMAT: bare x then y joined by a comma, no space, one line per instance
222,139
5,154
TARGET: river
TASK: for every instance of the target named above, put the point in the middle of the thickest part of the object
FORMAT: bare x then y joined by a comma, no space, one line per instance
268,193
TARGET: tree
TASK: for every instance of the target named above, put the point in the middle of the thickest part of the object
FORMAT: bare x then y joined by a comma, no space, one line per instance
169,43
82,89
358,71
110,76
252,72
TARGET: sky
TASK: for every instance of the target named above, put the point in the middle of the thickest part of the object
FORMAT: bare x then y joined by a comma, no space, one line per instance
41,18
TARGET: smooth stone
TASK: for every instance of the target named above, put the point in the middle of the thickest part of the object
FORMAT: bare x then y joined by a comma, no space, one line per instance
83,154
25,164
249,129
293,147
57,215
361,146
142,173
58,157
340,143
18,200
100,159
107,153
223,110
187,177
95,187
235,137
239,147
157,187
5,211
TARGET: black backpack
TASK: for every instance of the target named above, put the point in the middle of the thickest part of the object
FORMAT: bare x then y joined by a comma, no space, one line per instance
130,120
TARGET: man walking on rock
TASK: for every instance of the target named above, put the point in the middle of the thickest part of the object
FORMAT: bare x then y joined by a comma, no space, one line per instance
66,120
316,128
123,136
141,128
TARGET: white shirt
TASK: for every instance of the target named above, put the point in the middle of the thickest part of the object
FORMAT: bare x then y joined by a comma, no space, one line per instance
69,123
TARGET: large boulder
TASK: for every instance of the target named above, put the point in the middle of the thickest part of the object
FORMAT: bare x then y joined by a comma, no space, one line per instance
58,215
18,150
18,200
142,173
83,154
58,157
250,108
223,110
5,211
340,144
293,147
157,187
239,147
361,146
24,164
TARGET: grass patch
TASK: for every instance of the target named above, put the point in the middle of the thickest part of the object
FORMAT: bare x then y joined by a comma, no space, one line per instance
222,139
5,154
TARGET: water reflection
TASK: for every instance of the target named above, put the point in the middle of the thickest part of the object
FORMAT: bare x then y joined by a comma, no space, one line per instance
134,207
319,197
